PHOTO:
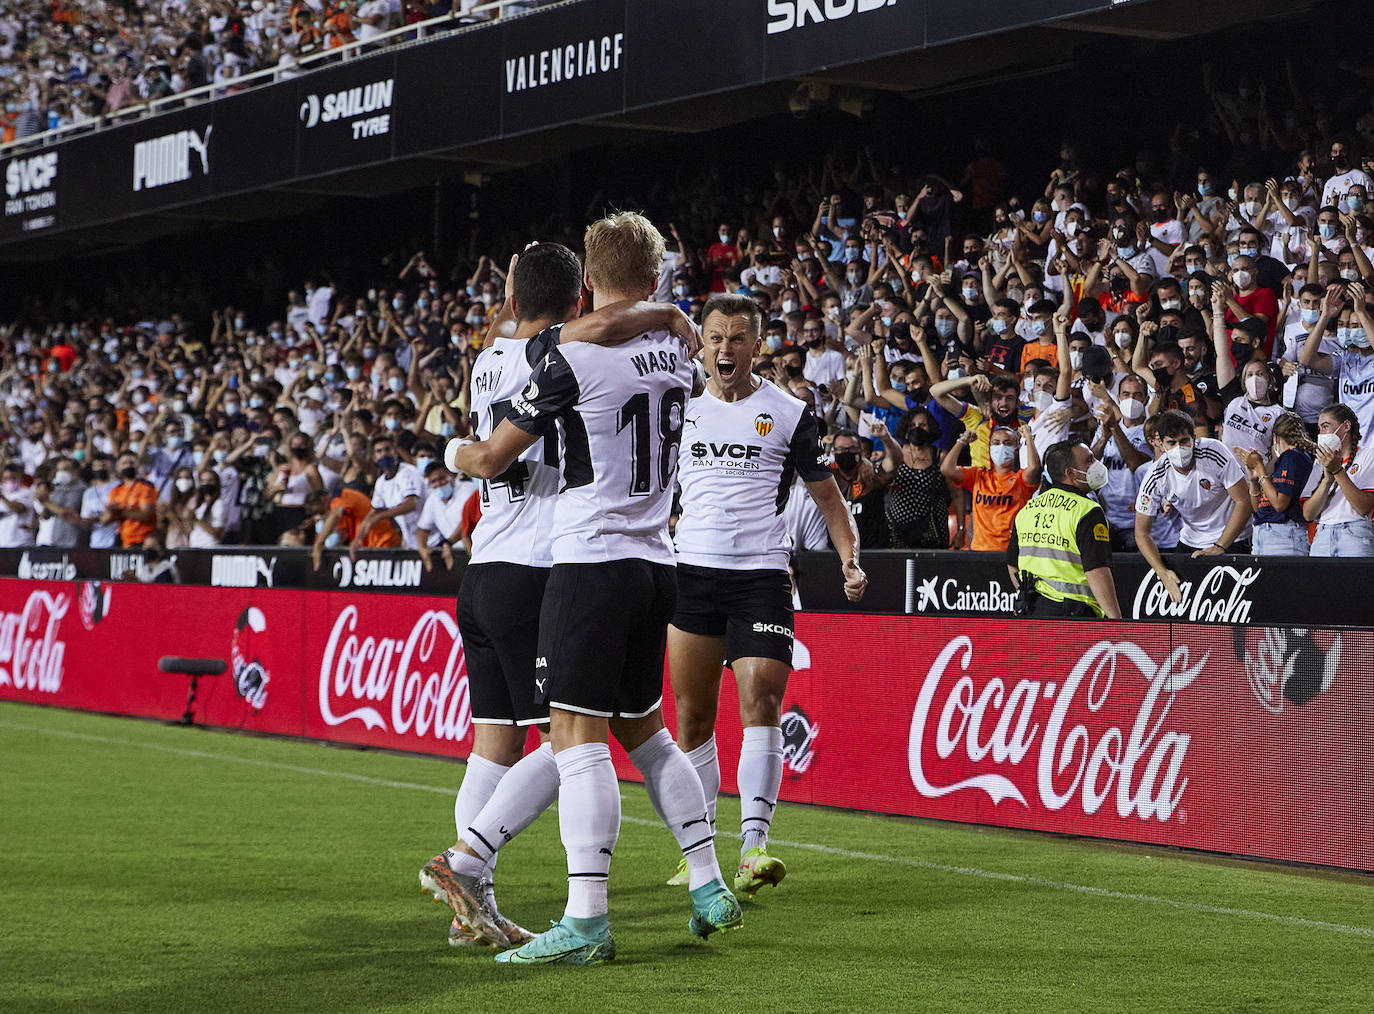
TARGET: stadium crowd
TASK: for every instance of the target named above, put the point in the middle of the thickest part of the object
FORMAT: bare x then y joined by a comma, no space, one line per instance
946,334
68,62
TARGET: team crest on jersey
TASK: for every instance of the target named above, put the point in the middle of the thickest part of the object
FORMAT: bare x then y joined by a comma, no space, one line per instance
1205,483
763,424
1265,418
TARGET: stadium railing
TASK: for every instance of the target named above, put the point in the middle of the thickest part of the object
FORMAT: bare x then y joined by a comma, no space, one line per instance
477,18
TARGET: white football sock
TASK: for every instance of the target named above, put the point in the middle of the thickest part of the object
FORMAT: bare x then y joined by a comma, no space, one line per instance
760,780
589,820
675,792
707,764
528,789
479,782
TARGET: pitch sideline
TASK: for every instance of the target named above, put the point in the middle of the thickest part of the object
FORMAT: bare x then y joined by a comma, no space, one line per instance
963,871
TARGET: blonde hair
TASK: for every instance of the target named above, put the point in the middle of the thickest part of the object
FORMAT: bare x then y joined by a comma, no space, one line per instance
624,253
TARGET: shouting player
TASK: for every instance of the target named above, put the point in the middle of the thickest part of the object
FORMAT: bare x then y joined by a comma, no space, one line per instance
610,593
503,586
744,442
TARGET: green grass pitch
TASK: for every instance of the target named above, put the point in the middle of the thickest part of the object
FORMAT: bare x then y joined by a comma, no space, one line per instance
156,868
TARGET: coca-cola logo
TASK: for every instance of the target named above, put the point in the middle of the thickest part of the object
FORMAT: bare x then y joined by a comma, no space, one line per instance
1074,754
1218,597
1286,664
798,736
414,684
31,656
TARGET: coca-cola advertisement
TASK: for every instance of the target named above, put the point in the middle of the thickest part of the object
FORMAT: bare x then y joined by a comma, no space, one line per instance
1241,739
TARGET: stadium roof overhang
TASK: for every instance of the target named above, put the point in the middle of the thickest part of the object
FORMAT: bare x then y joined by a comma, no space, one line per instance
1028,50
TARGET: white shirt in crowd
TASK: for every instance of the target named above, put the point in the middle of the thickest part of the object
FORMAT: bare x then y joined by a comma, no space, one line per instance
1246,424
1361,471
1200,497
17,521
214,515
1166,527
373,9
826,368
391,492
93,503
1354,376
317,305
1338,186
442,518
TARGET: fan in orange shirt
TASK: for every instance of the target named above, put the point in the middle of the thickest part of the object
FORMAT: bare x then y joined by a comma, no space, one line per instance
337,521
999,492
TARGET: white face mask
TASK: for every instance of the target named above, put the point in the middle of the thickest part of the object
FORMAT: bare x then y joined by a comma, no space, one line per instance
1242,279
1331,441
1180,457
1002,454
1256,387
1122,339
185,485
1076,359
1044,401
1096,475
1132,409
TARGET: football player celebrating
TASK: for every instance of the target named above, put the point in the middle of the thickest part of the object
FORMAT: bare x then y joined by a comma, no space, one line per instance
744,442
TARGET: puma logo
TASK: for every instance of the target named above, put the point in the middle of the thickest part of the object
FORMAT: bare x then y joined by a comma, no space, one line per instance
771,806
607,852
539,684
699,820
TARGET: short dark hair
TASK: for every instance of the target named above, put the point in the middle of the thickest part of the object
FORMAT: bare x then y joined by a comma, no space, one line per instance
732,305
548,281
1003,383
1175,424
1059,459
434,466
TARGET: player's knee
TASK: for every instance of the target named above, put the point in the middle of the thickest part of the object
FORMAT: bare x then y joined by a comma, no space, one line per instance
764,707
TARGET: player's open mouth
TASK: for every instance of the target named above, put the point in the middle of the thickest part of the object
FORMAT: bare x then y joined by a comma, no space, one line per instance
725,368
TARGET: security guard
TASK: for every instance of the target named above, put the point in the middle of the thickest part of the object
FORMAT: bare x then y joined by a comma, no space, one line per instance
1060,556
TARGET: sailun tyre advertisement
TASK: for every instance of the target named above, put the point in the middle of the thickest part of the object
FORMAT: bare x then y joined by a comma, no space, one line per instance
1252,740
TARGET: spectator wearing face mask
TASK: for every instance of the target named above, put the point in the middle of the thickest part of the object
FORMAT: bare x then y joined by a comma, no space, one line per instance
397,496
1338,185
59,507
103,534
17,518
999,492
918,502
1200,480
1352,368
1041,342
177,512
1280,529
994,405
1247,298
441,518
863,488
1244,379
1122,448
823,365
132,504
1339,495
209,514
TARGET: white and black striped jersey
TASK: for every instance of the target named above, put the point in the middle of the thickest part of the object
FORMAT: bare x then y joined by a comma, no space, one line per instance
736,466
517,505
618,410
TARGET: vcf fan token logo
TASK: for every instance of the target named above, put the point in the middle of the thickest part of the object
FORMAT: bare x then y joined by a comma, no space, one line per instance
94,603
250,674
763,424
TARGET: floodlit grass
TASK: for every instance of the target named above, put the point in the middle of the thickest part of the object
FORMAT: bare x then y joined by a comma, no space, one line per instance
155,868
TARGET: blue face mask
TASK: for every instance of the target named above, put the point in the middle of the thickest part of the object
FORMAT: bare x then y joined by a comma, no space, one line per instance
944,327
1358,338
1231,259
1327,230
1204,189
899,386
446,430
1037,327
851,254
386,463
1309,317
445,493
997,325
1040,216
773,342
332,540
1125,252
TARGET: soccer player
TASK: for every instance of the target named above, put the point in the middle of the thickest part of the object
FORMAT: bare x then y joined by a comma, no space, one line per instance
503,586
618,411
744,442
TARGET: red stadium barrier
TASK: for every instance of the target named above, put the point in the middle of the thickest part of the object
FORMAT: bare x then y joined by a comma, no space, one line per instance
1249,740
